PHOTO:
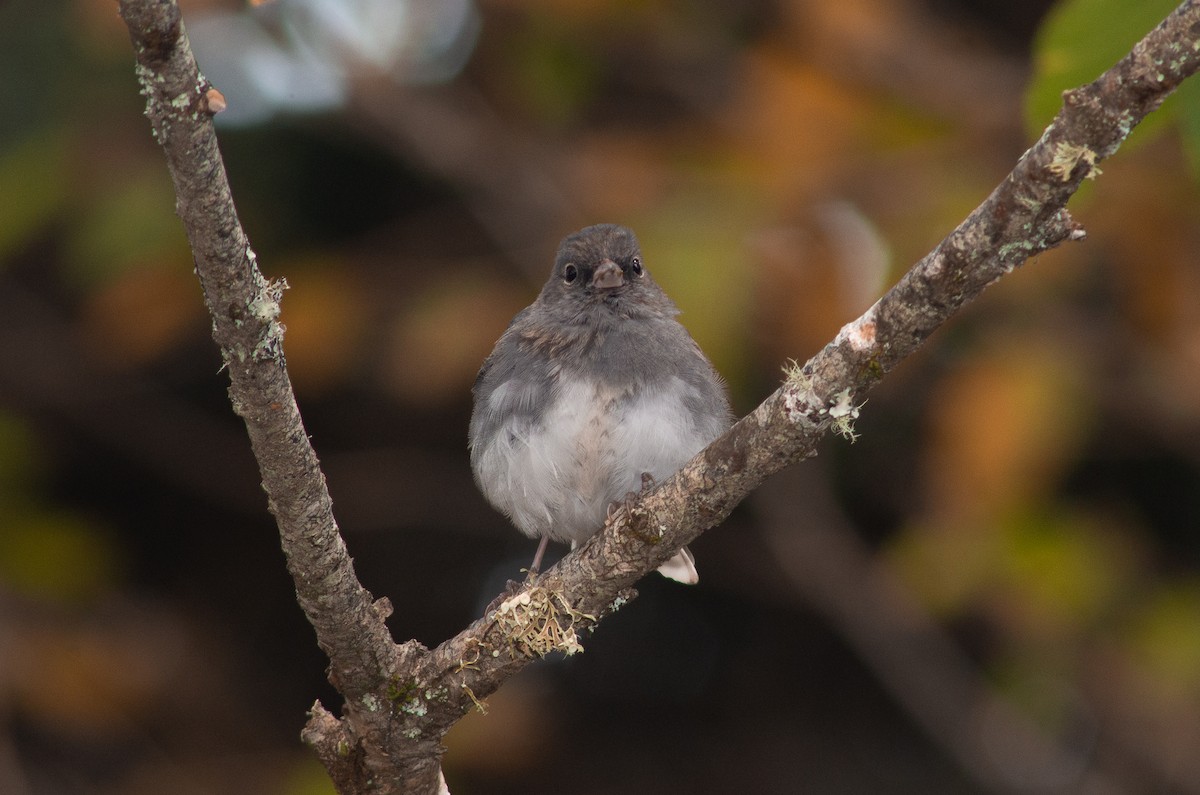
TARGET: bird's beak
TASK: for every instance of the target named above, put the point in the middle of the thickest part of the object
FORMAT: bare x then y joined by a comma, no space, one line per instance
608,276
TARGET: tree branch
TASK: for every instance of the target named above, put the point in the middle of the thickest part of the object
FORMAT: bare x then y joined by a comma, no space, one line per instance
245,309
400,700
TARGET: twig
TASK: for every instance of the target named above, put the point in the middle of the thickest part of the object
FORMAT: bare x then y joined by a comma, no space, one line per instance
245,309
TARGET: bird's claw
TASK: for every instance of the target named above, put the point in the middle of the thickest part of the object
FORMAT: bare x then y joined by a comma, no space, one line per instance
648,483
511,589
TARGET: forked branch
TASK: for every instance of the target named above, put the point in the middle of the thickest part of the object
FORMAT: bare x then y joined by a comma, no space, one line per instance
401,699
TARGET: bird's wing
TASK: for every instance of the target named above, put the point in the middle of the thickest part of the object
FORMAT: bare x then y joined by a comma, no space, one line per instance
513,388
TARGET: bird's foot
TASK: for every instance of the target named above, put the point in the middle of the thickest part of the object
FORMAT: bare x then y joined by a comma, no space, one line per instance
511,589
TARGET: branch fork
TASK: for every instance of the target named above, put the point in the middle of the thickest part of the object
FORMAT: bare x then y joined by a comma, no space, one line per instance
402,698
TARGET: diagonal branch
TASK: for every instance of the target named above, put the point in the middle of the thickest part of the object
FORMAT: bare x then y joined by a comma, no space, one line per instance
400,700
245,309
1023,217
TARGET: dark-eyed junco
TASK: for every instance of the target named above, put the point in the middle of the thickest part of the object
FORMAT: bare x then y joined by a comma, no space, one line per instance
590,387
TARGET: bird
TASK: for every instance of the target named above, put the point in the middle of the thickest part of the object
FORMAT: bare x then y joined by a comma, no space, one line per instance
592,393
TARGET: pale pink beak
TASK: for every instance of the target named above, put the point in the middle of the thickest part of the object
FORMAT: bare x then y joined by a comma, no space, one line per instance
608,276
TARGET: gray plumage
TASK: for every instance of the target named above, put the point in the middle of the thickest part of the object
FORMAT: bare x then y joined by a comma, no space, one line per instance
591,386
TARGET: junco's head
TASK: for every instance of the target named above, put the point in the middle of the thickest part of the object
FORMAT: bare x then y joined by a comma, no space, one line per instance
600,268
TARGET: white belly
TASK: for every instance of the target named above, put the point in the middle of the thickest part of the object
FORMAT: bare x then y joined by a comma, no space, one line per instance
589,451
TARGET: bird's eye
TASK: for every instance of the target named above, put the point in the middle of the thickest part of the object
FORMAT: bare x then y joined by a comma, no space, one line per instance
570,273
636,266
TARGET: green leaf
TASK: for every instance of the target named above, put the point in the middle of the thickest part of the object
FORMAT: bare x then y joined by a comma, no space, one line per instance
1079,40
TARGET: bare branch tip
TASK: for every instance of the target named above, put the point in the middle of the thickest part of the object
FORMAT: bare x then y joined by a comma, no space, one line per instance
383,608
213,102
324,730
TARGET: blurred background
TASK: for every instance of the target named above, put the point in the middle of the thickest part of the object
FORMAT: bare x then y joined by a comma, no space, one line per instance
996,588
